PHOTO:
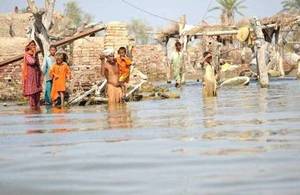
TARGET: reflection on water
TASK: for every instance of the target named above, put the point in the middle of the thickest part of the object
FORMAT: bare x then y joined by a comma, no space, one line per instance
262,99
118,116
209,111
245,141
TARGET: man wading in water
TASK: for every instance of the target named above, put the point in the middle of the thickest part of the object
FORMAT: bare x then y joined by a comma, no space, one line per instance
111,72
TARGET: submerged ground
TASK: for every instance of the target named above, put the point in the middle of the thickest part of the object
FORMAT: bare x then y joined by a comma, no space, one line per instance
245,141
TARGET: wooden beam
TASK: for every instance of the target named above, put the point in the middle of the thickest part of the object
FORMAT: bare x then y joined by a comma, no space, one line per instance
78,36
12,60
57,43
228,32
298,72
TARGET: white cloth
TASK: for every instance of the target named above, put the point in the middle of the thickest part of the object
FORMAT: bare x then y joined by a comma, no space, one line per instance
109,51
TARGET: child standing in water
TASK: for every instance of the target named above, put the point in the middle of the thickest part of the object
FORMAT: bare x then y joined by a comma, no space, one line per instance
48,62
60,73
124,64
209,81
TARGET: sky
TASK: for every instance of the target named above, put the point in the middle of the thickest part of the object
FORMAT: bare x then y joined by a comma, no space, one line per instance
117,10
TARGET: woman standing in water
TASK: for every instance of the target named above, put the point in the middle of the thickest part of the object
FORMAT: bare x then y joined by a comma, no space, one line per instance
31,76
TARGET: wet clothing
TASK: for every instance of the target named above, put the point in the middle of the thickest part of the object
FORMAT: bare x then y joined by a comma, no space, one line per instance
31,77
124,64
209,80
59,75
48,88
178,67
114,94
34,100
47,64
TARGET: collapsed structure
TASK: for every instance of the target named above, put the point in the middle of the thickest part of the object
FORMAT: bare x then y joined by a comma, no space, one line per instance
84,48
242,43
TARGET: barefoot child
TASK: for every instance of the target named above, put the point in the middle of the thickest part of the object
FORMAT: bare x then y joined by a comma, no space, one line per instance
48,62
124,64
59,72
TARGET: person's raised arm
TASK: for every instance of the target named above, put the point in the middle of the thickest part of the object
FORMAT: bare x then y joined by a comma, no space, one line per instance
102,58
30,60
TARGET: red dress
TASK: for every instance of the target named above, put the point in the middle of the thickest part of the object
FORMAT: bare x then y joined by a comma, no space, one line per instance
32,85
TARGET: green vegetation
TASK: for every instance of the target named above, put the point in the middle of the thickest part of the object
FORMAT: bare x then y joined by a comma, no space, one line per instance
229,9
139,29
291,5
75,14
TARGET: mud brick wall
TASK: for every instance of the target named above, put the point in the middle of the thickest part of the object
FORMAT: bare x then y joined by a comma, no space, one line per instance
151,60
10,75
10,47
19,23
116,35
86,67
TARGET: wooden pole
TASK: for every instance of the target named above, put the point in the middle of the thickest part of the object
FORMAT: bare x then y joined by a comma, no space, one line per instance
260,48
281,54
298,73
168,65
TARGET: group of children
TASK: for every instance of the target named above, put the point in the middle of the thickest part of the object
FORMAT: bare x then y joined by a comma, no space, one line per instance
56,72
115,69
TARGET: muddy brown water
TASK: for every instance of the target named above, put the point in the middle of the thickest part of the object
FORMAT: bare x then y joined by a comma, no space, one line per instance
245,141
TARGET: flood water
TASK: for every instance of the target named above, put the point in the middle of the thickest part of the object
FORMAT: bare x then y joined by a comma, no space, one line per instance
245,141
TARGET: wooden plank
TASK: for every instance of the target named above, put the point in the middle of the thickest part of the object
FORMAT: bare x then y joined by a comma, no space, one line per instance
99,89
80,97
298,72
57,43
135,88
11,60
78,36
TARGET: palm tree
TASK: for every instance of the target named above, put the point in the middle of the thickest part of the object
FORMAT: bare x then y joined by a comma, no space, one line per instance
291,5
229,8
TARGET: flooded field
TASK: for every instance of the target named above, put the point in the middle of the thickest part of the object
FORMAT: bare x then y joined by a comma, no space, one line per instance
245,141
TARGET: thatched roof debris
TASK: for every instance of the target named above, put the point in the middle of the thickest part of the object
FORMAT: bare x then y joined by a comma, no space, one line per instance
280,19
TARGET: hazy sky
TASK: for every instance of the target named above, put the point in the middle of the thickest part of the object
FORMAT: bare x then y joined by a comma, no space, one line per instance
110,10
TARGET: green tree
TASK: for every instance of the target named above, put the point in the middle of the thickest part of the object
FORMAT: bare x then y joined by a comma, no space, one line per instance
139,29
229,9
291,5
75,14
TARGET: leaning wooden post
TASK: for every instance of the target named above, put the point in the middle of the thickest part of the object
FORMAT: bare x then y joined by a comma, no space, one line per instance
260,47
298,72
168,66
216,54
281,55
184,40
